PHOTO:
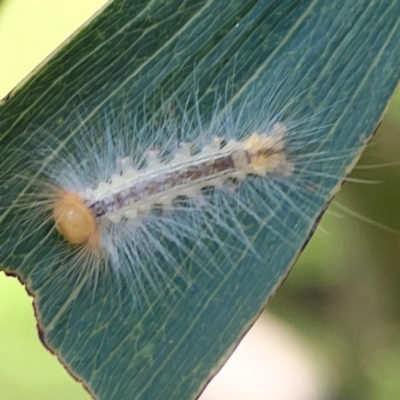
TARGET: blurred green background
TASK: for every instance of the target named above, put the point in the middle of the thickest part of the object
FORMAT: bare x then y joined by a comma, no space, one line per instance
343,295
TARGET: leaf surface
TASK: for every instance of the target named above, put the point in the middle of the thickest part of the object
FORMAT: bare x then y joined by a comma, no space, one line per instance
339,56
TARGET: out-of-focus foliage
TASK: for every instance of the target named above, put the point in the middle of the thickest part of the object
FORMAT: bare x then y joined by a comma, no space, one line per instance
343,294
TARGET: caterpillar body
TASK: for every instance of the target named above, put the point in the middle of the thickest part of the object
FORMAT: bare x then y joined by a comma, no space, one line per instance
130,195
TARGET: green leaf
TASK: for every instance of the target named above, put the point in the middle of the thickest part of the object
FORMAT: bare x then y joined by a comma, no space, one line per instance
339,56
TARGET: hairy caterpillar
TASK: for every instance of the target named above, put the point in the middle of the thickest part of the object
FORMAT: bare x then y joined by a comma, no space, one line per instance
131,201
